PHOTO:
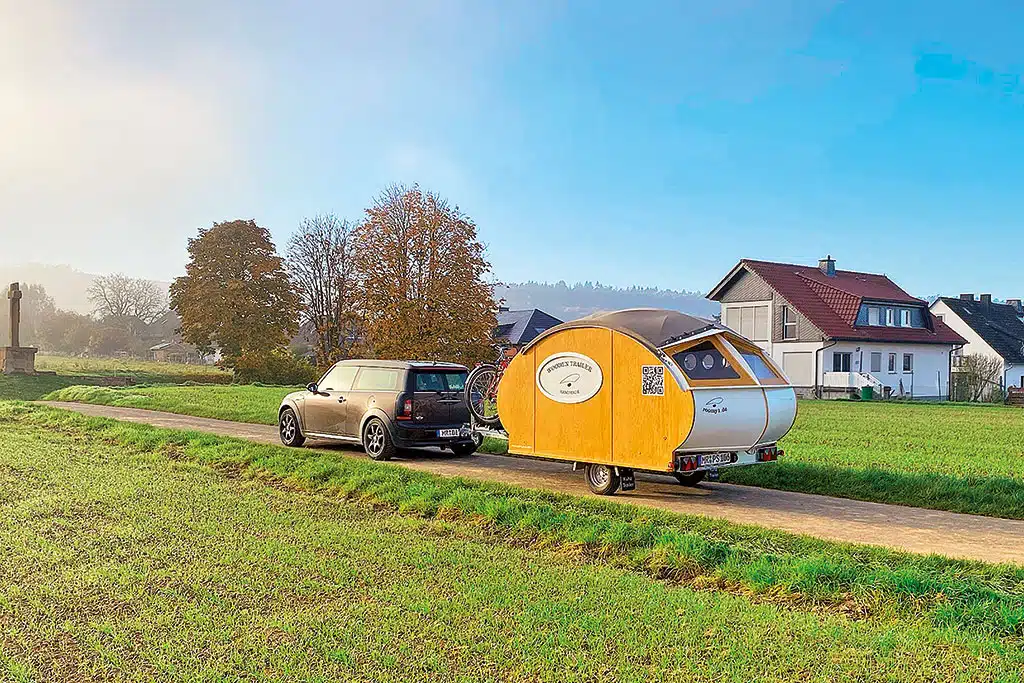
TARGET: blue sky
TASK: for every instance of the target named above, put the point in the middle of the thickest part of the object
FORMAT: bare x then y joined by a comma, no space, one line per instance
650,143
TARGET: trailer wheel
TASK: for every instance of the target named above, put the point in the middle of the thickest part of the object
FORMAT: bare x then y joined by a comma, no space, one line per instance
602,479
690,478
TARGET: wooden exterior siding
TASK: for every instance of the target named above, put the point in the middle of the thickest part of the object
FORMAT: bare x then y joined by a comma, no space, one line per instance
752,287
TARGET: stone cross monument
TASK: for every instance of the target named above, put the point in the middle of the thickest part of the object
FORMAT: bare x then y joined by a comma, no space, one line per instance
14,294
16,359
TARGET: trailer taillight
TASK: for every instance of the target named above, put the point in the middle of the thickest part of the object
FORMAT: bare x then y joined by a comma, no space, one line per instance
406,412
768,454
687,463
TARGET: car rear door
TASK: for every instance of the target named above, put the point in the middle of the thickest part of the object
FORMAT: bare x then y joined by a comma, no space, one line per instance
430,406
458,411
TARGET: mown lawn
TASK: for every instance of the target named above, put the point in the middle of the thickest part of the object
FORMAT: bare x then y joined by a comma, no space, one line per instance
961,458
128,557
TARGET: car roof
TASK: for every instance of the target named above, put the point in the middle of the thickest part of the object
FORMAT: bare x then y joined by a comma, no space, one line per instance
402,364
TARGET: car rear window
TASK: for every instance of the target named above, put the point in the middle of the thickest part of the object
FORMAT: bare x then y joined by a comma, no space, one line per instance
377,379
440,381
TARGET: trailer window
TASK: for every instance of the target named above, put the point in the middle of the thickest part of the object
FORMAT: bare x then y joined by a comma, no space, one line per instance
705,361
757,364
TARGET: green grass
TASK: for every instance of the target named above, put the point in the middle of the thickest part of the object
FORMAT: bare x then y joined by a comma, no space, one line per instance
236,402
962,458
143,371
91,371
128,558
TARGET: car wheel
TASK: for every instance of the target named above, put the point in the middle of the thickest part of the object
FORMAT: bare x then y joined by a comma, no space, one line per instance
602,479
288,428
690,478
377,440
464,449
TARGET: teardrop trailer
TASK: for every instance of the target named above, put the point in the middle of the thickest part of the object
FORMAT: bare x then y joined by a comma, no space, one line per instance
642,390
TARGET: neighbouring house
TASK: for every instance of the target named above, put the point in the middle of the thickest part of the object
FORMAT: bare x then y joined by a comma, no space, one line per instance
836,331
991,329
175,352
521,327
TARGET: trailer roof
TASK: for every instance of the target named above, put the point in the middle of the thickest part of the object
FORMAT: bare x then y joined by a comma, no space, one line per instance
657,326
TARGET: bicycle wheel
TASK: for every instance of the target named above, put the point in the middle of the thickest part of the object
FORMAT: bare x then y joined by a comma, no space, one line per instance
482,394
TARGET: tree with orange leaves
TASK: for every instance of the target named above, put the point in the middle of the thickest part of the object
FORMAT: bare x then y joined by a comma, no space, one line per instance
235,294
423,288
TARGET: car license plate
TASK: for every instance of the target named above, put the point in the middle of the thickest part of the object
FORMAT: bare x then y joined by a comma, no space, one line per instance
447,433
713,459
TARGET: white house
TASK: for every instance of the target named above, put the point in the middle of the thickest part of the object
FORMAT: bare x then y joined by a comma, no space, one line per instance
991,329
835,331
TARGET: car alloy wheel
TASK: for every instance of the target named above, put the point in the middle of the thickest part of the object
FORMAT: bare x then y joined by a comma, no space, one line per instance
377,440
288,428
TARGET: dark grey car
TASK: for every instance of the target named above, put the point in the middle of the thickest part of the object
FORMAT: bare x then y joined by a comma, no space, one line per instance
384,405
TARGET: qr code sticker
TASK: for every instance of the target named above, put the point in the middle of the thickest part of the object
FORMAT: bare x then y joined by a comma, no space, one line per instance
653,380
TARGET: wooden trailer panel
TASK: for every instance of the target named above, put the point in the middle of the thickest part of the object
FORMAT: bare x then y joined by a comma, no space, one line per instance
517,399
646,426
574,431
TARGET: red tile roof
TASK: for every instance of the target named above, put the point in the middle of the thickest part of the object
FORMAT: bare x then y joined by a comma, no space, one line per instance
832,303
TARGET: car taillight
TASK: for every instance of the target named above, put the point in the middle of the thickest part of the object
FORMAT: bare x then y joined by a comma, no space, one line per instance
406,412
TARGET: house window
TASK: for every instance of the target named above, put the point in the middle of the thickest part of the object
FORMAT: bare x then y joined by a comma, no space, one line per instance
958,356
908,362
876,362
840,362
788,324
905,318
890,317
940,317
892,363
873,316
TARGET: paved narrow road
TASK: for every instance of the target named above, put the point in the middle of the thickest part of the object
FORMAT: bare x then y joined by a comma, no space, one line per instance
914,529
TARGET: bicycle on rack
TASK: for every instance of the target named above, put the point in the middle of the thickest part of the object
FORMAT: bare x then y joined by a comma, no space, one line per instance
482,387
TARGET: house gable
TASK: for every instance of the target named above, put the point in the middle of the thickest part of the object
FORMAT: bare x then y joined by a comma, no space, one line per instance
831,304
745,286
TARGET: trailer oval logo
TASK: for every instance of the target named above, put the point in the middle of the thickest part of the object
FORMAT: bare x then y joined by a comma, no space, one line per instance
569,377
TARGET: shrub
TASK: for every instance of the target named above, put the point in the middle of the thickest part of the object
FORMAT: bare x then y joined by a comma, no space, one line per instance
273,367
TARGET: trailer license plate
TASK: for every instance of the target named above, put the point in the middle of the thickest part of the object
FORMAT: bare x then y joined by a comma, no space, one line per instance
713,459
447,433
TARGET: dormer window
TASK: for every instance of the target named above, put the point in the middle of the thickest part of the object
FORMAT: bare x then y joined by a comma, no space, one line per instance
873,315
905,318
890,317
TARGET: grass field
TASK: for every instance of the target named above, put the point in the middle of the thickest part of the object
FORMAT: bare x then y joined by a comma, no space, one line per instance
144,371
963,458
128,557
89,371
237,402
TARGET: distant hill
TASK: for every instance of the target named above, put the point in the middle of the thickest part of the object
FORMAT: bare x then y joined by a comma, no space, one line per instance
569,302
66,285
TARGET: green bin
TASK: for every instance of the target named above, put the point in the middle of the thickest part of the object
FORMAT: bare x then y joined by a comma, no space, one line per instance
867,393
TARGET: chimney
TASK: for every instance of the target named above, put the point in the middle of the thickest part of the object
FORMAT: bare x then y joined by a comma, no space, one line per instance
827,265
1016,303
966,297
502,309
986,299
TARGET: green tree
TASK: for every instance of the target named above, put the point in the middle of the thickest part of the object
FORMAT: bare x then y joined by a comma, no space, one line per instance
422,274
235,295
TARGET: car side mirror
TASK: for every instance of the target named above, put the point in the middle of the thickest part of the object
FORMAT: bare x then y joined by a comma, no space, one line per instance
312,388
